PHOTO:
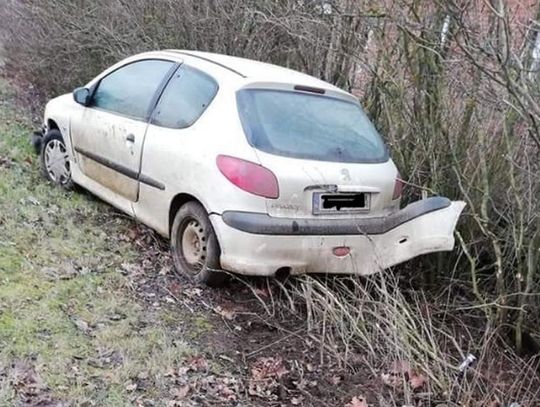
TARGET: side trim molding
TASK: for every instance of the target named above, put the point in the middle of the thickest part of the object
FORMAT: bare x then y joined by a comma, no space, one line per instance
145,179
121,169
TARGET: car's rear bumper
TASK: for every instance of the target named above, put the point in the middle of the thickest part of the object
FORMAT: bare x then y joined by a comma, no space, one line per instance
260,245
263,224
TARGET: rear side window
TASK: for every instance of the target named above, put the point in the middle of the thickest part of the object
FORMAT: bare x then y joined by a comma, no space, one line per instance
130,89
314,127
185,98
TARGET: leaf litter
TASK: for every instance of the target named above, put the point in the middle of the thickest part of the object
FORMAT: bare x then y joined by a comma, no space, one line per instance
30,389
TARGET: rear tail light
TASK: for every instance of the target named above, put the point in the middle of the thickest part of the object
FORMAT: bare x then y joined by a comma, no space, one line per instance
250,177
398,187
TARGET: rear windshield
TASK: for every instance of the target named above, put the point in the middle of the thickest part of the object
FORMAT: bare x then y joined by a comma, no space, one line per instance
314,127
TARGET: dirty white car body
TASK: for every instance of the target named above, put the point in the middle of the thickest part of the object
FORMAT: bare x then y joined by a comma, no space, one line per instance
149,170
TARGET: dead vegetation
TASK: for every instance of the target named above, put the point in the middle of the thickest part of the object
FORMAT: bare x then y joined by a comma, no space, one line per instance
416,346
453,86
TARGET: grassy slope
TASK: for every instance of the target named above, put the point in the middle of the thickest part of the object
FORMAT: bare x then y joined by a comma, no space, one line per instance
64,307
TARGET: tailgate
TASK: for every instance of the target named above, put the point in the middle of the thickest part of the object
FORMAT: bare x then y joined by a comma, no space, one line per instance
309,188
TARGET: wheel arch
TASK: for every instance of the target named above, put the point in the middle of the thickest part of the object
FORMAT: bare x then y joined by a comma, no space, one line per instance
52,124
177,202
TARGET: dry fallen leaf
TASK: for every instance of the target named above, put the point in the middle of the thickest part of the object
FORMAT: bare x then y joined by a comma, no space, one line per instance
335,380
164,271
357,402
130,386
29,386
391,380
193,292
226,392
175,288
265,375
400,372
262,292
265,368
198,364
400,367
132,233
181,392
226,313
417,381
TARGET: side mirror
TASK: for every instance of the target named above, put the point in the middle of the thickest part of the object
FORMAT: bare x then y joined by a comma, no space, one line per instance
82,96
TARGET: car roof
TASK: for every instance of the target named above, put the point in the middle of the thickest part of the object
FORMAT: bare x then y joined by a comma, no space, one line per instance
255,71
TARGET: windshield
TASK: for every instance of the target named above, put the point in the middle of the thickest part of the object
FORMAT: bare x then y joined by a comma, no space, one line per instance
314,127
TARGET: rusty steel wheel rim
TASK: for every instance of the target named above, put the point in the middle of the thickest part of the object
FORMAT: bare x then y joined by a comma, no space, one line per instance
194,245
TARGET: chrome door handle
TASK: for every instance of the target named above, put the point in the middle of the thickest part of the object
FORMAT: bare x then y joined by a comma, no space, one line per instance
130,138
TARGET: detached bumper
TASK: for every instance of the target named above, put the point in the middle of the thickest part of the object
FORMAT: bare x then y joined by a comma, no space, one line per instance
263,224
258,244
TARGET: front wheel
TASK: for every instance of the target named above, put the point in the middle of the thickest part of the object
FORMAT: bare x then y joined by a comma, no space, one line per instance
55,162
194,246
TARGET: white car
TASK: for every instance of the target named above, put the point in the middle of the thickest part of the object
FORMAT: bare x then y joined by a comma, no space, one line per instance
247,167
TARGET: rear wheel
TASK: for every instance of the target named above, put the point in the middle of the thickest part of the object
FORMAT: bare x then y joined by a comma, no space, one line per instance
55,163
194,246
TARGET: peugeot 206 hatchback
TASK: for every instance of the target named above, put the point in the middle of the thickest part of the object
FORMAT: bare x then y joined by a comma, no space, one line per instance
247,167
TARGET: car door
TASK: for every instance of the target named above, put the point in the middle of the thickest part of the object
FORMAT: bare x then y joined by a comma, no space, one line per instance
174,149
108,136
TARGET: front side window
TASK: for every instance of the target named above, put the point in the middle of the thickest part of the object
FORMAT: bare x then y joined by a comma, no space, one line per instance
130,89
314,127
185,98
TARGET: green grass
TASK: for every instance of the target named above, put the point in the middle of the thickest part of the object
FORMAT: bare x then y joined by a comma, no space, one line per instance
45,230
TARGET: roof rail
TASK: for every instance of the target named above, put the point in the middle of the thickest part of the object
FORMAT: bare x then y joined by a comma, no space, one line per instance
207,60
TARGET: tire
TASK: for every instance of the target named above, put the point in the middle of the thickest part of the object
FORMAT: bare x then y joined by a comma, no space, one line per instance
55,164
194,246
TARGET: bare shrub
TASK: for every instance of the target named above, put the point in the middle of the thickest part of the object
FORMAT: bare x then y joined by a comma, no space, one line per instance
59,44
458,101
